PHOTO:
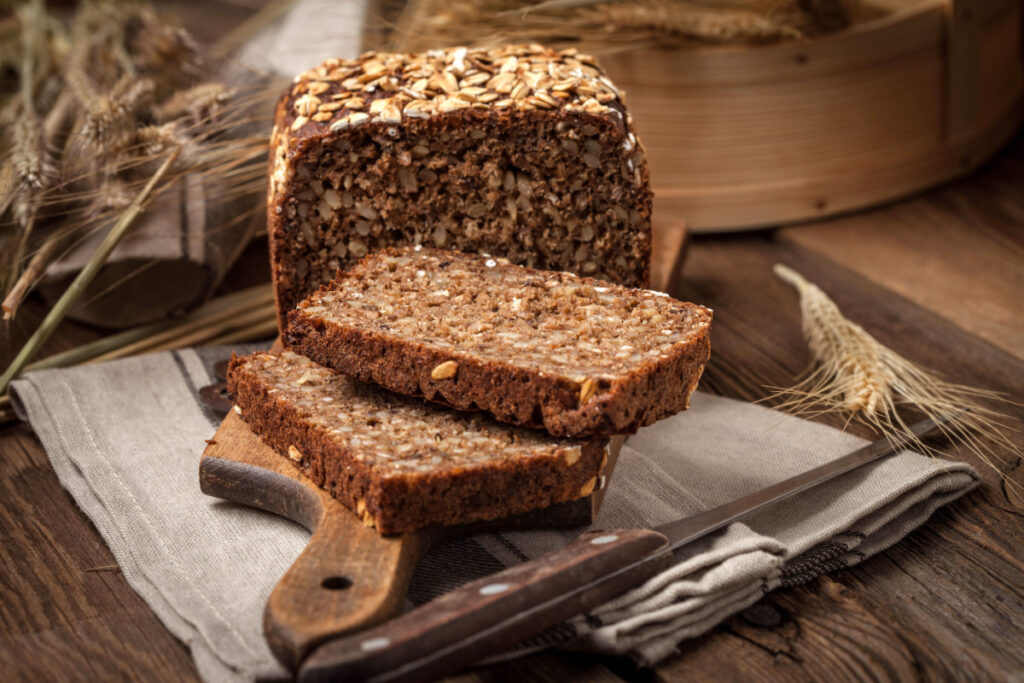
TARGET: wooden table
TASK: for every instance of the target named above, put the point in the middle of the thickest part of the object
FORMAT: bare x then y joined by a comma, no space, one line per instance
939,278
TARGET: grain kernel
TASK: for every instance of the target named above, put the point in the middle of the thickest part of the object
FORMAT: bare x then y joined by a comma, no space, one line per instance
588,488
306,105
294,453
445,370
587,391
318,87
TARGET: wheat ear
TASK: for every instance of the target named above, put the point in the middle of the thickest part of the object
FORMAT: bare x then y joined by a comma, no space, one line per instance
78,286
856,374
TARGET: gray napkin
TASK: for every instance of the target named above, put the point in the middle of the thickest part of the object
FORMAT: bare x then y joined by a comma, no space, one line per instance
125,438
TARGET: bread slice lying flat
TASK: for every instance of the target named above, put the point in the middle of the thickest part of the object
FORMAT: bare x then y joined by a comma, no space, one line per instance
402,464
575,356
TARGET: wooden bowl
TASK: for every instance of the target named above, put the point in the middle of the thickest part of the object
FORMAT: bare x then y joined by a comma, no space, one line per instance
748,136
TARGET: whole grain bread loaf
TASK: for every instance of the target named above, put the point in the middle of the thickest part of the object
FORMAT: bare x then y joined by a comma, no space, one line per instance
575,356
520,151
402,464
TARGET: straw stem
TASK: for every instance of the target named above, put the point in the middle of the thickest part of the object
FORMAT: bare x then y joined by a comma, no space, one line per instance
35,269
121,344
260,330
84,278
194,333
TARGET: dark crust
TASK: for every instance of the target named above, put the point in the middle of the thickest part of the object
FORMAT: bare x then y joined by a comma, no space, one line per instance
275,222
511,394
395,504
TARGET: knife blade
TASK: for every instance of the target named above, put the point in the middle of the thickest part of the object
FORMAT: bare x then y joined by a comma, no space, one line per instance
480,618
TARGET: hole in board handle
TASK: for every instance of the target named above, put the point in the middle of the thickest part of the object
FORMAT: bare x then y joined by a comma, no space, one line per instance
336,583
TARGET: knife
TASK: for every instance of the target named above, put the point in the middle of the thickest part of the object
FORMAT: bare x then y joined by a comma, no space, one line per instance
481,618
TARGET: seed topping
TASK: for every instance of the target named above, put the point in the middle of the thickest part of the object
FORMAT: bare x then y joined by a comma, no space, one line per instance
522,77
587,391
445,370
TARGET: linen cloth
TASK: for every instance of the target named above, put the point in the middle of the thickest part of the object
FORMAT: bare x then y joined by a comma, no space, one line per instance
125,439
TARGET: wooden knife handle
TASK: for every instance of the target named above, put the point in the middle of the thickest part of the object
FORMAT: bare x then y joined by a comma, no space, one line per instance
481,618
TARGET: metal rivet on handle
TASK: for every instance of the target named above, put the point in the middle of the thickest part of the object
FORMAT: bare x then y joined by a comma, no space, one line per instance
494,589
374,644
602,540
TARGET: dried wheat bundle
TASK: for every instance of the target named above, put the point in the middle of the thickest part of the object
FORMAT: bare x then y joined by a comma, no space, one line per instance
857,375
108,111
601,26
99,105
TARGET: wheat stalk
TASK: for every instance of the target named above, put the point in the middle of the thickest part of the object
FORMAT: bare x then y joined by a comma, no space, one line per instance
116,91
124,110
199,328
33,169
857,375
33,271
77,287
168,333
246,315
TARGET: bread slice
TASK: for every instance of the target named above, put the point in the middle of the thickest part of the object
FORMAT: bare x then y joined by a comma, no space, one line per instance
402,464
575,356
519,150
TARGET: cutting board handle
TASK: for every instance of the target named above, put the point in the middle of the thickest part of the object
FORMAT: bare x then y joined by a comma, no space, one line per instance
346,579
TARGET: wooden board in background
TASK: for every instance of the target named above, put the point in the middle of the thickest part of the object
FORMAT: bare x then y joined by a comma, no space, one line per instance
957,253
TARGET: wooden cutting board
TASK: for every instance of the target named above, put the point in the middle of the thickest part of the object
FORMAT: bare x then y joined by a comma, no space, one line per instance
349,577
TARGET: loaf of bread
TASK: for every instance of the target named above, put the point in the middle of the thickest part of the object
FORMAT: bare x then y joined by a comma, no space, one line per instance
575,356
402,464
520,151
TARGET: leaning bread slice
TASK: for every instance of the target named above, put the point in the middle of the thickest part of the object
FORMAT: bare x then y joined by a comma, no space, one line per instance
402,464
575,356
